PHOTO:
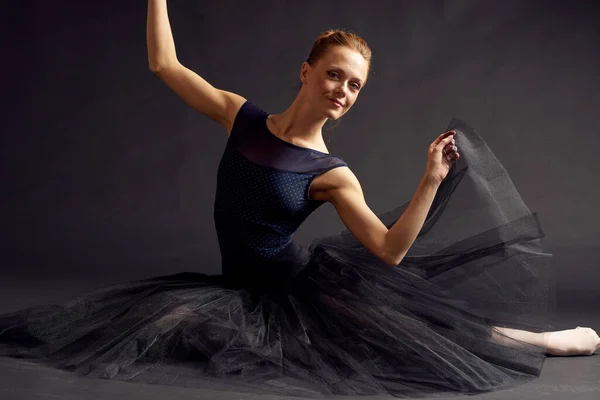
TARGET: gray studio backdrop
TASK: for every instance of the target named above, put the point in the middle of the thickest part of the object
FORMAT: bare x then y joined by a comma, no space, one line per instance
107,174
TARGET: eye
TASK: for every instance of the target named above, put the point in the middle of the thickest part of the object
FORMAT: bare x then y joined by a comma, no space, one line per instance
356,85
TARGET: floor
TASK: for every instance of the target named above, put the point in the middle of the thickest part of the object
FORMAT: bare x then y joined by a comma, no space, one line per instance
562,377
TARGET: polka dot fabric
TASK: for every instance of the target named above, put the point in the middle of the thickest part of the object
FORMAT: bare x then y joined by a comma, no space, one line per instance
263,184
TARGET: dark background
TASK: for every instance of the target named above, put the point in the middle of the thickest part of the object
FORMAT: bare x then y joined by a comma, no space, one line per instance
107,175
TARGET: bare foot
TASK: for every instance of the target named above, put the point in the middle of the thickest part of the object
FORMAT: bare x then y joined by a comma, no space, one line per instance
570,342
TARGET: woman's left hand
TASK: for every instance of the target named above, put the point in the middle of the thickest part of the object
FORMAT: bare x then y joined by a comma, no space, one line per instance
441,155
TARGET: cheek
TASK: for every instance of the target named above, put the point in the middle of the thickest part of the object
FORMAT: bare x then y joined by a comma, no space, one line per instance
322,89
326,85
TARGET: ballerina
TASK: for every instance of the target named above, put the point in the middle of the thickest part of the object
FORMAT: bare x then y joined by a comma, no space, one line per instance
430,297
332,79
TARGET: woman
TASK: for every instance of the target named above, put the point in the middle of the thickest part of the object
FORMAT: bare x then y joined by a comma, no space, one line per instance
447,293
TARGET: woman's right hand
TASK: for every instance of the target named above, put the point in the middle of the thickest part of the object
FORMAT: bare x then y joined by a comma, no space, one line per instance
442,154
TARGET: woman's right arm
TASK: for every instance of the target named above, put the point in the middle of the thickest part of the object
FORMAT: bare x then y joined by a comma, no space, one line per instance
219,105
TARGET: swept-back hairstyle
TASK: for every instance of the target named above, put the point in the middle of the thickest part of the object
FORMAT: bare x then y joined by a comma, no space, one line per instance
339,37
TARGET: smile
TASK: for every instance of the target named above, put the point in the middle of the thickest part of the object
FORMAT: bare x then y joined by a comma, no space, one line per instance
336,103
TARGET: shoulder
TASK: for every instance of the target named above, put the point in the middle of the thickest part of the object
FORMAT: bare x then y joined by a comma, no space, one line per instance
332,184
241,113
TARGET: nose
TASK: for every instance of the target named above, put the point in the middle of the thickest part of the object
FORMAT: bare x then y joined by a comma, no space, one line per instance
344,88
340,92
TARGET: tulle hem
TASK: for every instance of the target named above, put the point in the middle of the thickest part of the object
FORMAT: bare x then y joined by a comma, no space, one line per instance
341,322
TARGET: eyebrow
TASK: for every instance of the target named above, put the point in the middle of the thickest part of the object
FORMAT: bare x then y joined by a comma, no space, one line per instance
344,72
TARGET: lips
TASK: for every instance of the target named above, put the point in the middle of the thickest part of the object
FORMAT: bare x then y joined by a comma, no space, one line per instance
337,102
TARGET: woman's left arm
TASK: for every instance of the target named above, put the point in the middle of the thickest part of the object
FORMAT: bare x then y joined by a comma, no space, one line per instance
390,245
345,193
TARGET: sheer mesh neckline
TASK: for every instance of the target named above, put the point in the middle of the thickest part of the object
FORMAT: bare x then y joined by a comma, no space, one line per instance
289,143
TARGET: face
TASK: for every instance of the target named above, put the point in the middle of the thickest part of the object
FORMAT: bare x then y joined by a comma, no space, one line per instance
339,76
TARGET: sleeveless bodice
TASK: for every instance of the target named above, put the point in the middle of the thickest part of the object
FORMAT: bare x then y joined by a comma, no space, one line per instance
262,193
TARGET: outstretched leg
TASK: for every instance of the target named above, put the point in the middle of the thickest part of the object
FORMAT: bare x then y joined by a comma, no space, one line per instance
578,341
569,342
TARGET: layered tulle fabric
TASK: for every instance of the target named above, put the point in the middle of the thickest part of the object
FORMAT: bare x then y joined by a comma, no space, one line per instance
341,323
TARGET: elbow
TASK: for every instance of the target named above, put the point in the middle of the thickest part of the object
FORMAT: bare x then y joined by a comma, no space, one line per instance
158,66
391,259
390,263
393,262
390,255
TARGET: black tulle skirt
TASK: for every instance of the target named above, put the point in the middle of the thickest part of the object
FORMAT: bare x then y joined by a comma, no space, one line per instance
338,320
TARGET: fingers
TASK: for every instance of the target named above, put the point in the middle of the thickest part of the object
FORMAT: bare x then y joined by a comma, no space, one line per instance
453,157
451,152
450,148
445,143
445,137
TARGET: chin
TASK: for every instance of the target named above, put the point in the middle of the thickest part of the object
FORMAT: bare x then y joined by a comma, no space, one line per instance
334,114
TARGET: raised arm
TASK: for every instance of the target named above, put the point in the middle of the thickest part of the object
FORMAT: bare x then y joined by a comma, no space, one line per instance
219,105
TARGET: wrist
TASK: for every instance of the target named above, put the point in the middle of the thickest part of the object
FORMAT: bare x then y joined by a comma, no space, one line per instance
431,181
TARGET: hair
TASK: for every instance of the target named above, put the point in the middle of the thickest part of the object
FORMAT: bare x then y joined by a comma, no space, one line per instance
339,37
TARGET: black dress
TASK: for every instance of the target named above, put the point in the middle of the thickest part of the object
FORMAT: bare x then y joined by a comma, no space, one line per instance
330,318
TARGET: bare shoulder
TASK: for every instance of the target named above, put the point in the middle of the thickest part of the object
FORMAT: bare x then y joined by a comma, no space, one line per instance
233,104
326,186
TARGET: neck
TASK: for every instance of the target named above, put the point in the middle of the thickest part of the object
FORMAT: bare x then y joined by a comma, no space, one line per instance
301,123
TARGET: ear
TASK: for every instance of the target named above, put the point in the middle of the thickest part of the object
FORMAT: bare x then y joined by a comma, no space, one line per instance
304,72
